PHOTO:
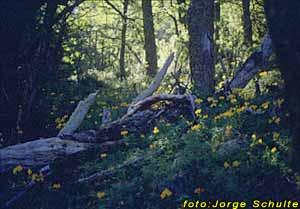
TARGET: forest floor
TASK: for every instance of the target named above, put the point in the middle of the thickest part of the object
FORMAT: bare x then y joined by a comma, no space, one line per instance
235,149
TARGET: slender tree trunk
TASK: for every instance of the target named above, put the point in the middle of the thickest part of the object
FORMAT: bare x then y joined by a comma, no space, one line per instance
200,29
217,18
150,46
123,41
247,24
282,18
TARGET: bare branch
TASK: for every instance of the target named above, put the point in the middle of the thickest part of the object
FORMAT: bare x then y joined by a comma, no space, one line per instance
154,86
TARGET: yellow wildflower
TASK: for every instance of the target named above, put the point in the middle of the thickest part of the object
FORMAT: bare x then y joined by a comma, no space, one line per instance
263,74
124,133
265,105
279,102
210,99
124,104
152,146
165,193
114,107
228,131
198,112
198,101
29,171
17,169
228,113
240,109
253,136
226,164
260,141
205,116
236,163
253,106
56,186
274,149
142,136
196,127
199,190
221,97
277,120
100,195
213,105
155,130
231,96
233,101
276,135
37,177
103,155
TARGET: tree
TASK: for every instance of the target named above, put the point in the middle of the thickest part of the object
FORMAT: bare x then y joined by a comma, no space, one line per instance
282,17
200,29
123,40
150,46
247,24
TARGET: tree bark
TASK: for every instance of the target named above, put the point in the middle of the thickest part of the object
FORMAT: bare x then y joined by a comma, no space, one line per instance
282,18
200,29
123,41
150,46
247,24
257,60
139,120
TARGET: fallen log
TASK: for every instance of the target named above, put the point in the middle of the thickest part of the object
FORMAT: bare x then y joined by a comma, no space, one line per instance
42,152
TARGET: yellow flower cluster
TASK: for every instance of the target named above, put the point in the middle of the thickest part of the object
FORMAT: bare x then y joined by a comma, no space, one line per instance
198,101
274,120
235,163
196,127
265,105
228,130
213,102
56,186
165,193
124,133
124,104
232,98
100,195
155,130
274,149
226,114
103,155
17,169
198,112
275,136
37,177
263,74
60,121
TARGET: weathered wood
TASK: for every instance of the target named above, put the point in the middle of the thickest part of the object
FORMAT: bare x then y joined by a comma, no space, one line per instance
154,86
42,152
78,115
39,152
253,65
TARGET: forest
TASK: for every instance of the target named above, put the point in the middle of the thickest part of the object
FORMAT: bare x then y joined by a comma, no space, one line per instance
149,104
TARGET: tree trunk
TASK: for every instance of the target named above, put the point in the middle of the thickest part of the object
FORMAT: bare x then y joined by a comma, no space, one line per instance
150,46
140,119
200,29
123,41
282,18
247,22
